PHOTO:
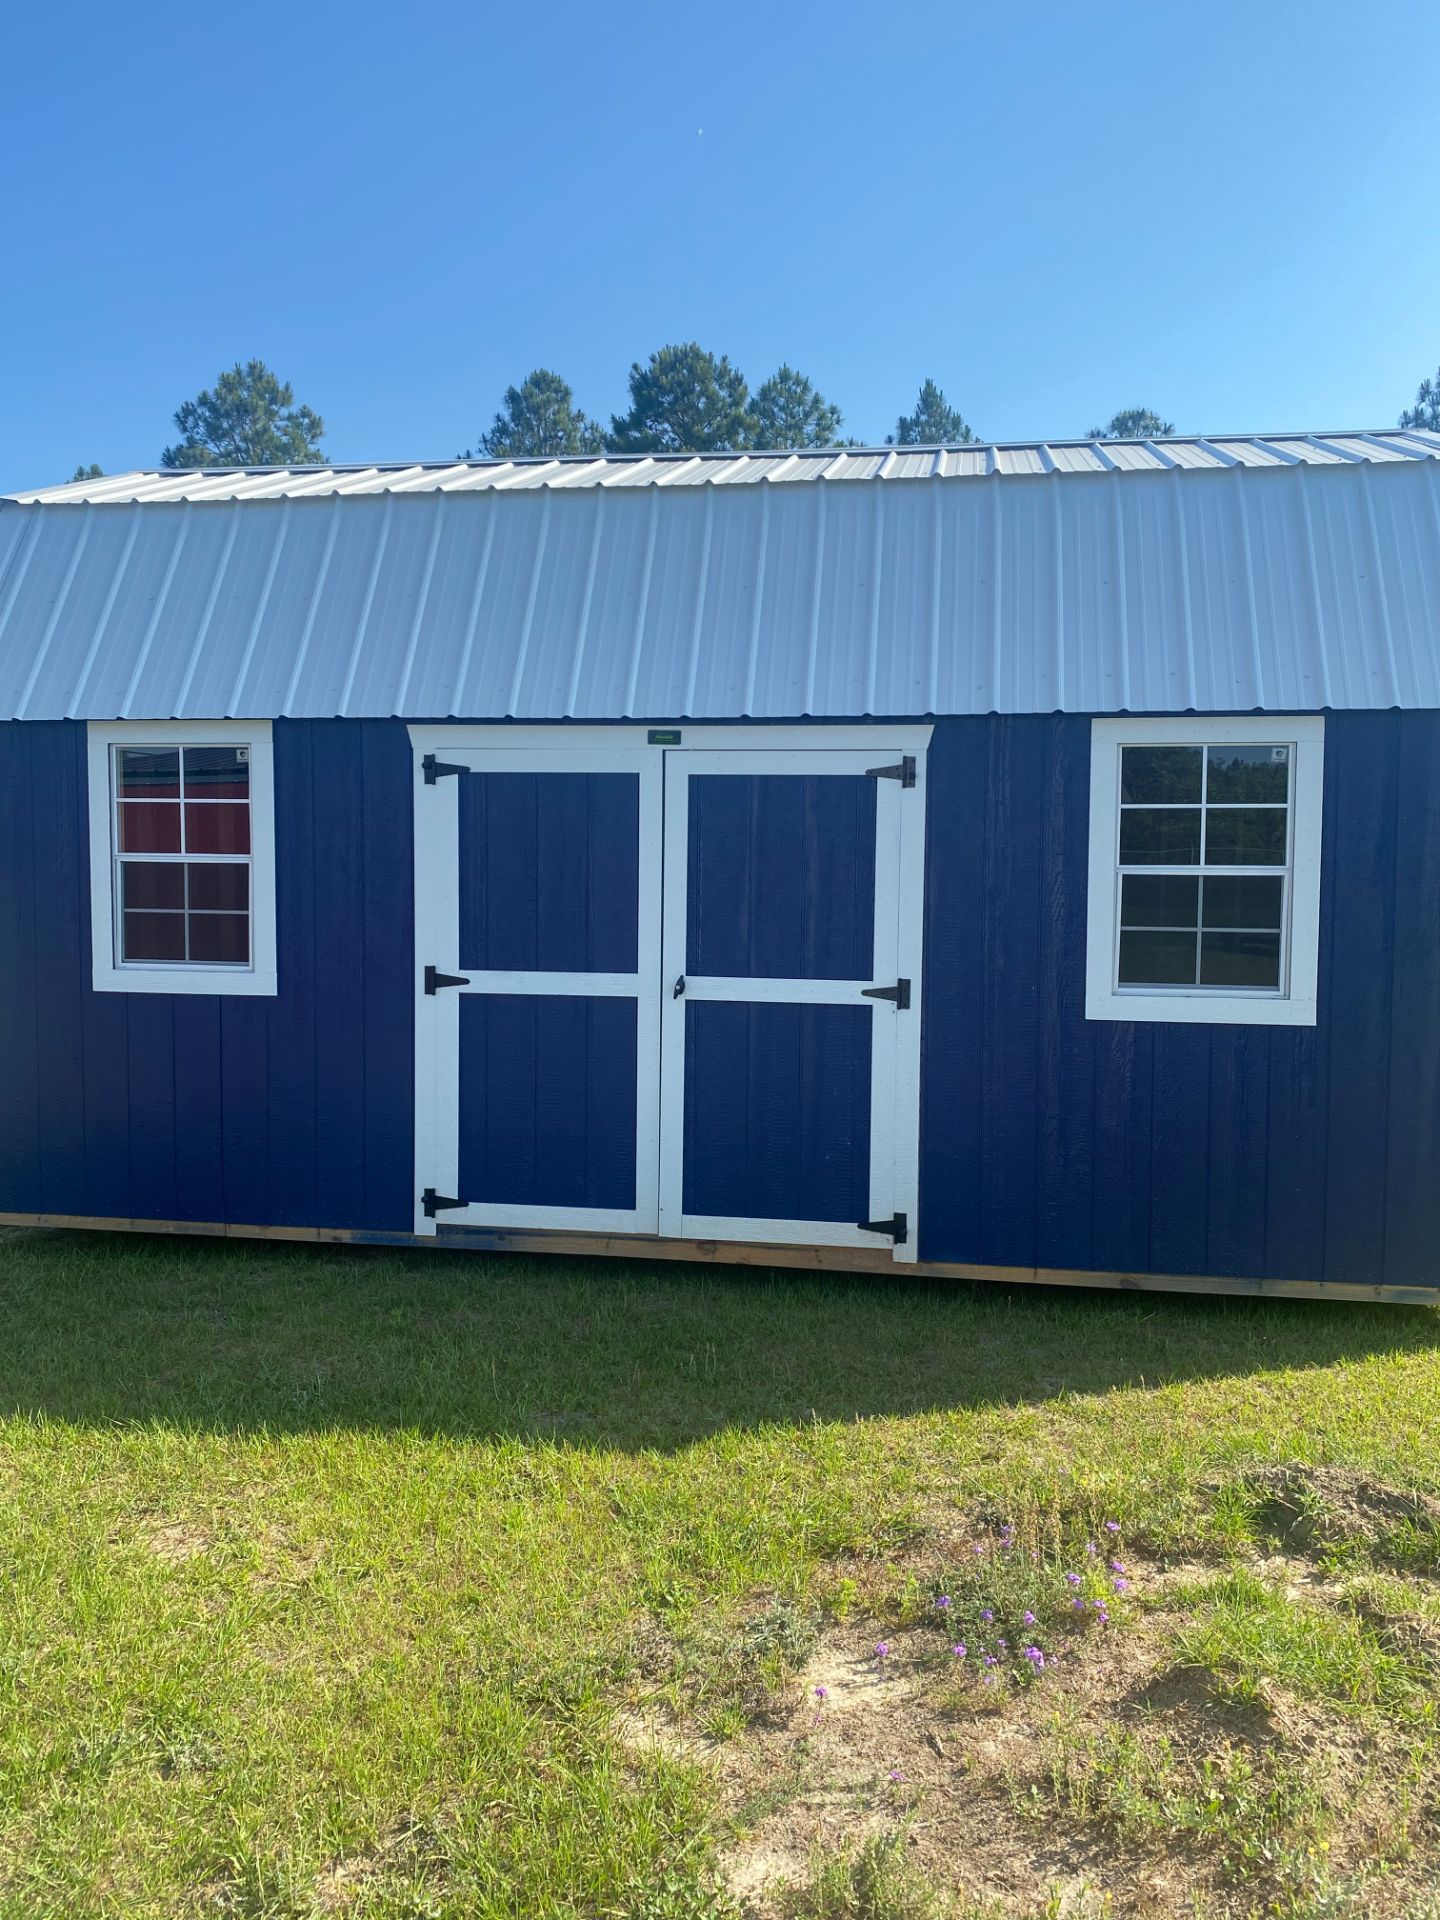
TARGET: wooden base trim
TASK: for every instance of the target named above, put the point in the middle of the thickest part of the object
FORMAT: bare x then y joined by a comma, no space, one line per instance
745,1254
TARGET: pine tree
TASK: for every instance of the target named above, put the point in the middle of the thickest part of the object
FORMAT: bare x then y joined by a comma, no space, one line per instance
539,418
788,412
684,400
934,423
1426,410
1133,423
250,420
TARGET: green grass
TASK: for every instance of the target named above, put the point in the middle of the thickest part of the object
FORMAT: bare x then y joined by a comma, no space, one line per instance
322,1569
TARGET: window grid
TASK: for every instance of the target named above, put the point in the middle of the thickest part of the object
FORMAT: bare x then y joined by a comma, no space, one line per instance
1202,869
185,857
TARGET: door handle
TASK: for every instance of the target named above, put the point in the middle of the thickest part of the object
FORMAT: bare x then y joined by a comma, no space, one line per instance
678,988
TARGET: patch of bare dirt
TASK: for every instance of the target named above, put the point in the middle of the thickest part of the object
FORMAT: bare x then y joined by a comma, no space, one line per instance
856,1746
175,1541
1305,1509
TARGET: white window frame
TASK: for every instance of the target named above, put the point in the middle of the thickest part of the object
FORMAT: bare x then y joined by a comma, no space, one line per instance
108,973
1294,1004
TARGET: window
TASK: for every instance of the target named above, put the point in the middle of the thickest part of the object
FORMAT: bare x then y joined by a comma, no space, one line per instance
1204,870
182,859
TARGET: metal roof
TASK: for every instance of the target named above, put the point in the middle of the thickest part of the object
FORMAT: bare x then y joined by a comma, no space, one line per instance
976,461
1285,572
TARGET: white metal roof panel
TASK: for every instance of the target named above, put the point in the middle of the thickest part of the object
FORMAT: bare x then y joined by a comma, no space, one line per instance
1284,572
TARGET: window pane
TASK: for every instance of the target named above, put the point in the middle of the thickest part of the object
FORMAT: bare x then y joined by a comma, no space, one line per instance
1153,774
147,827
1249,773
1160,900
1240,960
216,829
223,889
1157,960
218,939
217,773
1243,901
1160,837
148,773
1245,836
152,883
152,936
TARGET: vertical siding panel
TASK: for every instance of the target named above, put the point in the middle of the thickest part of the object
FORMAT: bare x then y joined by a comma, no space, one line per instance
1412,1244
1298,1100
1180,1161
1010,994
339,910
1362,754
950,1095
1239,1113
290,1032
387,900
1066,1042
200,1186
245,1110
19,1029
1124,1057
150,1048
59,880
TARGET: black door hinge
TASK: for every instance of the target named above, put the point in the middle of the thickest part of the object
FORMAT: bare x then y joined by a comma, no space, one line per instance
899,993
904,772
897,1226
434,769
434,980
434,1203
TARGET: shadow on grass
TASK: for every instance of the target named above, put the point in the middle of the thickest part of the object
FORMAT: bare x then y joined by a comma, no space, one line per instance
244,1336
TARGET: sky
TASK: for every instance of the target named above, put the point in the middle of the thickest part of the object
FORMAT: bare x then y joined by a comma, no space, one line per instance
1224,211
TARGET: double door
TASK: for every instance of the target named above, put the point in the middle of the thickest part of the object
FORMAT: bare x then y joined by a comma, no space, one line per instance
669,990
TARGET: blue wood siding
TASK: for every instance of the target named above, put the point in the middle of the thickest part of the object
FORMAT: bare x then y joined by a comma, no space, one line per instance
1307,1153
1047,1139
292,1111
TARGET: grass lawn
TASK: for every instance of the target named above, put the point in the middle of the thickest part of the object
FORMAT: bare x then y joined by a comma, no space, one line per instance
436,1585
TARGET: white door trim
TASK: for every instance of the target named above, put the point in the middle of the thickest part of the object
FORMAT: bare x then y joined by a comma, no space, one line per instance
437,1016
895,1053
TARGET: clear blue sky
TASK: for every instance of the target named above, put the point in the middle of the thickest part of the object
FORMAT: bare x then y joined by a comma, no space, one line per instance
1224,211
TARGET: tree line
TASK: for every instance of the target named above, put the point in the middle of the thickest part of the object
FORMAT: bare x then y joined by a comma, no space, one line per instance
683,399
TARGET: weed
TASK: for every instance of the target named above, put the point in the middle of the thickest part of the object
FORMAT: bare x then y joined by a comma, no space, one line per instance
874,1881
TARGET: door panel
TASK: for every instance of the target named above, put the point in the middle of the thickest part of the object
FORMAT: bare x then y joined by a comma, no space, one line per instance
781,875
537,1055
777,1111
549,871
548,1100
780,1060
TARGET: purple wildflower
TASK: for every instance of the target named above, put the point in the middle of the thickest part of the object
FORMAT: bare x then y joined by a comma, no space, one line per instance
1035,1657
897,1773
991,1661
1029,1618
1072,1579
987,1679
1077,1603
958,1650
943,1602
1121,1586
1091,1548
822,1693
1116,1566
1112,1526
987,1613
882,1649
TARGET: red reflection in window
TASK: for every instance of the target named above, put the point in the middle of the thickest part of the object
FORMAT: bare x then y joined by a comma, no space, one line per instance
217,828
154,884
220,939
219,889
149,827
152,936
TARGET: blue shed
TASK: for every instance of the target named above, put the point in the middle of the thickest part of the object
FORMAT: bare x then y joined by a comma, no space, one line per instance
1016,862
